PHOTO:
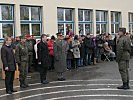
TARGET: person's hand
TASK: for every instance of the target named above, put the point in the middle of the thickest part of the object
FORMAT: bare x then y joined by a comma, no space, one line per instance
6,68
39,63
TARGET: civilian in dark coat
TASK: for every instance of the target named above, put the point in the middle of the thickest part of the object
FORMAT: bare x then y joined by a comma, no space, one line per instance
88,49
82,50
9,64
43,58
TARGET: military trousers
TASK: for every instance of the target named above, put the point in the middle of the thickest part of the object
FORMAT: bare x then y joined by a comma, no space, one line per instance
23,68
123,69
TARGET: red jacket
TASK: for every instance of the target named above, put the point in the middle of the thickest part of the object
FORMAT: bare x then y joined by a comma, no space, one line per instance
51,47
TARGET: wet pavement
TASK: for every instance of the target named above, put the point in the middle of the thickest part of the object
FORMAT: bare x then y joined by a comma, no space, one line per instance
97,82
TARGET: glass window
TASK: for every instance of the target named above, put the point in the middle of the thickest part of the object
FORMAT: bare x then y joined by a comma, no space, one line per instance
80,15
25,29
6,20
65,15
98,28
101,22
7,29
31,21
87,14
115,21
24,13
60,14
35,13
87,28
68,14
85,21
36,29
61,28
7,12
81,29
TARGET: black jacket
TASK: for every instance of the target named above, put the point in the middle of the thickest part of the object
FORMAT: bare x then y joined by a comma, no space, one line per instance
88,45
8,58
43,54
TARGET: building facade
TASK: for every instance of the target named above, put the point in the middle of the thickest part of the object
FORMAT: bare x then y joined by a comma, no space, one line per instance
36,17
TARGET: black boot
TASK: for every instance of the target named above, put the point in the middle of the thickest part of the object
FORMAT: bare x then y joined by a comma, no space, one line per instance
22,84
124,86
128,84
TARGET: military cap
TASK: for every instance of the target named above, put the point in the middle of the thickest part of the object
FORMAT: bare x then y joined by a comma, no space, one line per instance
122,29
59,34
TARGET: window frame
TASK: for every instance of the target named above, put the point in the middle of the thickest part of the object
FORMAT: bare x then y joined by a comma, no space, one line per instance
64,22
30,21
84,22
100,22
6,21
114,22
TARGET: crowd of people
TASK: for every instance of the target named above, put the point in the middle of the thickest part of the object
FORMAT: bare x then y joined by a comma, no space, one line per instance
55,53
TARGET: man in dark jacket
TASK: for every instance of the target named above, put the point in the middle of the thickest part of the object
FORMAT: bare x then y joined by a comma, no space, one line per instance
43,58
9,64
88,49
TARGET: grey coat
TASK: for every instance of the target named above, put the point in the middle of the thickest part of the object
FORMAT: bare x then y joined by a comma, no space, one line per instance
76,51
60,51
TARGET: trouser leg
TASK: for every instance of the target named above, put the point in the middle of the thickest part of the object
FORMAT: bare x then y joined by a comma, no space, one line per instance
7,80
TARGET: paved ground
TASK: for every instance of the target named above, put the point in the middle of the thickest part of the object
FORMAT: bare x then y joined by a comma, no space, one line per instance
88,83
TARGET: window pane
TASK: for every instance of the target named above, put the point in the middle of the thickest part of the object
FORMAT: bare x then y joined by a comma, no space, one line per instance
97,15
60,14
103,16
98,28
87,15
81,29
7,11
35,13
25,29
7,29
68,15
112,17
117,17
103,28
36,29
69,28
87,28
61,28
80,15
24,13
112,28
116,28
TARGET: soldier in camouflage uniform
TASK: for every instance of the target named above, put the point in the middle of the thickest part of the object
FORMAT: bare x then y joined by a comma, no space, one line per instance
30,52
123,56
21,55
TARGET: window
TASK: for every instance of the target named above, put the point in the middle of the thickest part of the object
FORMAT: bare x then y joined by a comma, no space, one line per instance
131,23
101,22
115,22
31,22
85,21
6,20
65,20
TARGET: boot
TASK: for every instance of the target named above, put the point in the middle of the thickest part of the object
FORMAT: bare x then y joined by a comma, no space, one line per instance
25,83
124,86
128,84
22,84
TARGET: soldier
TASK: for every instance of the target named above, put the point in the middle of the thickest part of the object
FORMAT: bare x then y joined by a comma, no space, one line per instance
60,51
123,56
29,44
22,60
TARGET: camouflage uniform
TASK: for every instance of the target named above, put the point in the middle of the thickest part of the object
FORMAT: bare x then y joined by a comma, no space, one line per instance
123,56
22,60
